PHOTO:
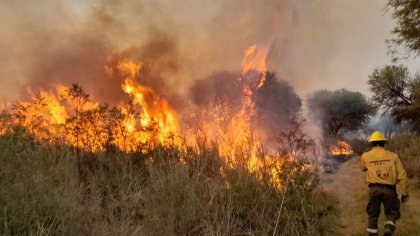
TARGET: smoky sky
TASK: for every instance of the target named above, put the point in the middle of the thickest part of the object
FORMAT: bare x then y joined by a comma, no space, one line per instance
313,44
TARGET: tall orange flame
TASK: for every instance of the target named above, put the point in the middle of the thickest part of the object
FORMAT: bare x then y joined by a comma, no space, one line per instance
255,59
154,109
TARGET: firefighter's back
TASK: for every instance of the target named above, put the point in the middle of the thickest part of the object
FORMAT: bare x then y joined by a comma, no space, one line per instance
381,166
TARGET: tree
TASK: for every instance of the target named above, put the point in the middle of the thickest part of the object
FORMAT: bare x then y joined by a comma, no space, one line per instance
220,88
396,91
339,111
407,15
78,99
386,124
5,122
277,105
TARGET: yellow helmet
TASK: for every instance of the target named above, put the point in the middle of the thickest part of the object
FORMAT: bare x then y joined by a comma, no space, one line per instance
377,136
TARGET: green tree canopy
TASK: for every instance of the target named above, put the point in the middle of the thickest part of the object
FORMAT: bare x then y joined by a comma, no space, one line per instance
407,29
339,111
395,90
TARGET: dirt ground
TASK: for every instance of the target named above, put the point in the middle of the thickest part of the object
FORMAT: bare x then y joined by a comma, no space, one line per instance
349,184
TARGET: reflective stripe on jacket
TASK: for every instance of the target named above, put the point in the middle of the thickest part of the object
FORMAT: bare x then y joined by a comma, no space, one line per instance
384,167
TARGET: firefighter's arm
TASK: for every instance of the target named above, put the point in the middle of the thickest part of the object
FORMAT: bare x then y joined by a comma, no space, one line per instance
362,163
401,177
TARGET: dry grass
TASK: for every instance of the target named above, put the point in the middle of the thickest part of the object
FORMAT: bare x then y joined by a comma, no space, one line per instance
407,146
163,192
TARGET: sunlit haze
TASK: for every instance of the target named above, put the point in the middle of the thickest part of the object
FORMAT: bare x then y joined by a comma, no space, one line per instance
314,44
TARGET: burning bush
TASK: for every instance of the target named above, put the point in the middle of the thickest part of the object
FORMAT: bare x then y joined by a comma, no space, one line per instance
341,148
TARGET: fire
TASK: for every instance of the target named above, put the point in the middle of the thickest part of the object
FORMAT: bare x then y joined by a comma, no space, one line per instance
57,112
255,60
239,142
155,110
239,133
128,68
43,116
4,117
341,148
69,116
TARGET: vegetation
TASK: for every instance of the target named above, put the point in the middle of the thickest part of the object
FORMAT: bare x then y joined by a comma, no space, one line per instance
407,15
395,90
340,111
385,123
161,192
407,146
83,174
277,106
359,146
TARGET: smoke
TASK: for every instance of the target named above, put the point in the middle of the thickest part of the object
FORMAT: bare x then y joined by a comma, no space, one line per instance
220,88
312,43
191,51
76,50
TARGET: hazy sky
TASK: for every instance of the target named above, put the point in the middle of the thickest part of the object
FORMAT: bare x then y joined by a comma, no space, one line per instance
352,34
315,44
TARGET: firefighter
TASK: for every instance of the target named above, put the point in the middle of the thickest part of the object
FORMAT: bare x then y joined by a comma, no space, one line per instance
384,172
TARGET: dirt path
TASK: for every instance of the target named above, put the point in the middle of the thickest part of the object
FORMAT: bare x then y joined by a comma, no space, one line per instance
350,186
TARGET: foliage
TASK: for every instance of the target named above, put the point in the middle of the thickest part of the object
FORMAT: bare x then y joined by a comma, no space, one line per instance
295,143
407,15
386,124
407,146
395,90
165,191
339,111
41,193
81,175
359,146
5,122
277,106
220,87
